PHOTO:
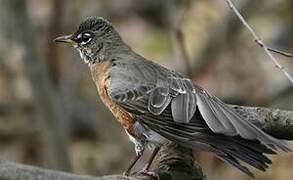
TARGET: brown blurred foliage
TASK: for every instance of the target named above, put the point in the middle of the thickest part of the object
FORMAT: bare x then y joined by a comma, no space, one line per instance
50,114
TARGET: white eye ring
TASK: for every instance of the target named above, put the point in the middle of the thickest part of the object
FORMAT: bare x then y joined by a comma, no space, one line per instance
85,42
85,38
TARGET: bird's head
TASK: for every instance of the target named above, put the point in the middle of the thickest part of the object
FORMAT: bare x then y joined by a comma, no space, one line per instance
95,39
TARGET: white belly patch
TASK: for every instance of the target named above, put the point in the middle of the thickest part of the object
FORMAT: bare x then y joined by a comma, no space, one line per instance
149,138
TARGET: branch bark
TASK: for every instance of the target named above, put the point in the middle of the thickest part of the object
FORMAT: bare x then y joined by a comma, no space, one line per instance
14,171
276,122
172,162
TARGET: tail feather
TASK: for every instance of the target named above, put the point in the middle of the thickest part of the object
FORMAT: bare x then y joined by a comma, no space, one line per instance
253,158
234,162
259,164
230,149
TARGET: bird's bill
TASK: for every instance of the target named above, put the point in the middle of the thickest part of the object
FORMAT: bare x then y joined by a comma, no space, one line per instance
65,39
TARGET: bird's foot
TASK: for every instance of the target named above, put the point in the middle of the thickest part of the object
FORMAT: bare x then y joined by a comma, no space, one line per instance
145,172
126,173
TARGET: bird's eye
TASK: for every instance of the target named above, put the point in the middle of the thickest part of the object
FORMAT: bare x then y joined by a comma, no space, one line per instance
85,38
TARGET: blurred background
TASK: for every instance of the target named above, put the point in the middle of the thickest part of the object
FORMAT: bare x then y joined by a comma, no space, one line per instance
51,115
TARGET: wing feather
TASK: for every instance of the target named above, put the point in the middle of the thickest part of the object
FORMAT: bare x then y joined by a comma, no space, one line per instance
222,119
184,99
184,107
227,148
166,103
142,92
158,100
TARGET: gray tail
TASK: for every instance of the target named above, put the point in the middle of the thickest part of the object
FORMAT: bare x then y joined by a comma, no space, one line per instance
230,149
233,149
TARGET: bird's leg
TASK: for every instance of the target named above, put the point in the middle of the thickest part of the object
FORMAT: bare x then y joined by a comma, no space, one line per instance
133,162
151,159
145,169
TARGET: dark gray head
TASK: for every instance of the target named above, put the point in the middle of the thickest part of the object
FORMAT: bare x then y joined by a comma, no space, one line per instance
95,39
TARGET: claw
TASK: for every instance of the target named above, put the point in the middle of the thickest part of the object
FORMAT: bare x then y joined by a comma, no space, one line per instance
126,173
148,173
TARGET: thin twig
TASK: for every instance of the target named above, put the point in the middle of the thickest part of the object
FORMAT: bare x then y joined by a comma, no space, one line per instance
289,55
259,41
275,50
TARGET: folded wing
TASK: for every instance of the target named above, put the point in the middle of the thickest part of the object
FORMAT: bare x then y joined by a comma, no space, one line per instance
224,120
142,92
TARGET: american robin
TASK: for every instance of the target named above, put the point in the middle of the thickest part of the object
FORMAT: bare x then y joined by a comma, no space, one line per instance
156,105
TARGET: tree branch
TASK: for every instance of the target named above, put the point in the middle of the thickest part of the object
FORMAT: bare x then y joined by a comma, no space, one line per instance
14,171
173,161
276,122
259,41
288,55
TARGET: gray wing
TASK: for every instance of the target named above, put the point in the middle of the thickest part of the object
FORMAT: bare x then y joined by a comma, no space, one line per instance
224,120
145,87
149,89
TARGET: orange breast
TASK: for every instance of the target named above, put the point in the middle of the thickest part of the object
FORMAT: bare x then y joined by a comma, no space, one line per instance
100,74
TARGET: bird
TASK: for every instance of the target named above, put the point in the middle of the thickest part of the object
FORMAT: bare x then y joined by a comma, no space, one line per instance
156,105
